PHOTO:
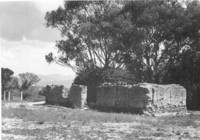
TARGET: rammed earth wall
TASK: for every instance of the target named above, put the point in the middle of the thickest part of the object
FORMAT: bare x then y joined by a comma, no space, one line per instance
78,96
132,98
141,97
91,95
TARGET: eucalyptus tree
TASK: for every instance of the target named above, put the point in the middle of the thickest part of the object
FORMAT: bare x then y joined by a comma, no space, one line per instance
90,37
27,79
164,29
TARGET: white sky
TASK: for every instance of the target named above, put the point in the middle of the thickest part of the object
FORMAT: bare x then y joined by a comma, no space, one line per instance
24,40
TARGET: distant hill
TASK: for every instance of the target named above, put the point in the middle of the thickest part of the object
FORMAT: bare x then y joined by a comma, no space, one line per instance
56,79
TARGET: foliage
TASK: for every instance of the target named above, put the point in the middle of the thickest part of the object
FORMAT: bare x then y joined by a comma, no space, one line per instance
99,76
55,95
164,28
186,70
54,89
168,49
6,76
87,77
90,37
32,94
14,83
27,80
45,90
102,39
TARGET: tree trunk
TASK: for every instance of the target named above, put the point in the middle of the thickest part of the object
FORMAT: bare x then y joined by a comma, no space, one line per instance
156,78
149,75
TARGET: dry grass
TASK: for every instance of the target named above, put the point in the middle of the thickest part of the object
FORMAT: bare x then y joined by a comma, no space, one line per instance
67,114
50,122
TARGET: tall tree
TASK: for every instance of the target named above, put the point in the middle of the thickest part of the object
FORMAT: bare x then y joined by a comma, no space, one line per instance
27,80
6,76
89,35
166,28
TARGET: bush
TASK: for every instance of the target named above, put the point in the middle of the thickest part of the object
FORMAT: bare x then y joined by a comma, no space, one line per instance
89,77
32,94
118,75
55,95
99,76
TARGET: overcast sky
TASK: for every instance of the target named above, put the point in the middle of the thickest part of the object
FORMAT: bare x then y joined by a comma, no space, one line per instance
25,40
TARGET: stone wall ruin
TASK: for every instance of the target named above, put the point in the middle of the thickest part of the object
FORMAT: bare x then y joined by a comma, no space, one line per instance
141,97
78,96
91,96
120,97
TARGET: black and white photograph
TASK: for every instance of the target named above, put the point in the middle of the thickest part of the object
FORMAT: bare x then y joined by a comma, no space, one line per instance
100,69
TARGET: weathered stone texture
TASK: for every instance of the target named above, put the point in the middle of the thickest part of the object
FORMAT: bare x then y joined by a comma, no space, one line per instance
144,96
121,98
78,96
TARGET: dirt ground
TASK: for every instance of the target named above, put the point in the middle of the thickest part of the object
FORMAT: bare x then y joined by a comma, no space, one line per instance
157,128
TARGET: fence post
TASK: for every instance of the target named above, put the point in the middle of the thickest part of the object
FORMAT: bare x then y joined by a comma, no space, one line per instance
9,96
21,96
4,96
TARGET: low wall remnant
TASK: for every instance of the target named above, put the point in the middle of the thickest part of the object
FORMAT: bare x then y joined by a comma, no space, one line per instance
91,95
78,96
141,97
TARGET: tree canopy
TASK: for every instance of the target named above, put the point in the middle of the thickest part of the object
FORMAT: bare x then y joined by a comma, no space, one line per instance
166,29
90,37
14,83
149,38
27,80
6,76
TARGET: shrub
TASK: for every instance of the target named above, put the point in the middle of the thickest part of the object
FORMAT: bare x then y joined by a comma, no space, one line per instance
98,76
55,95
32,94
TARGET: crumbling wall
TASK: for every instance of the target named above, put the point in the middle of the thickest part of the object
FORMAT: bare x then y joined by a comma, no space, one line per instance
78,96
166,97
141,97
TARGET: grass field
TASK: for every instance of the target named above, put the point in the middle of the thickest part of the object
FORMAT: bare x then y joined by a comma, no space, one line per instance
53,122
